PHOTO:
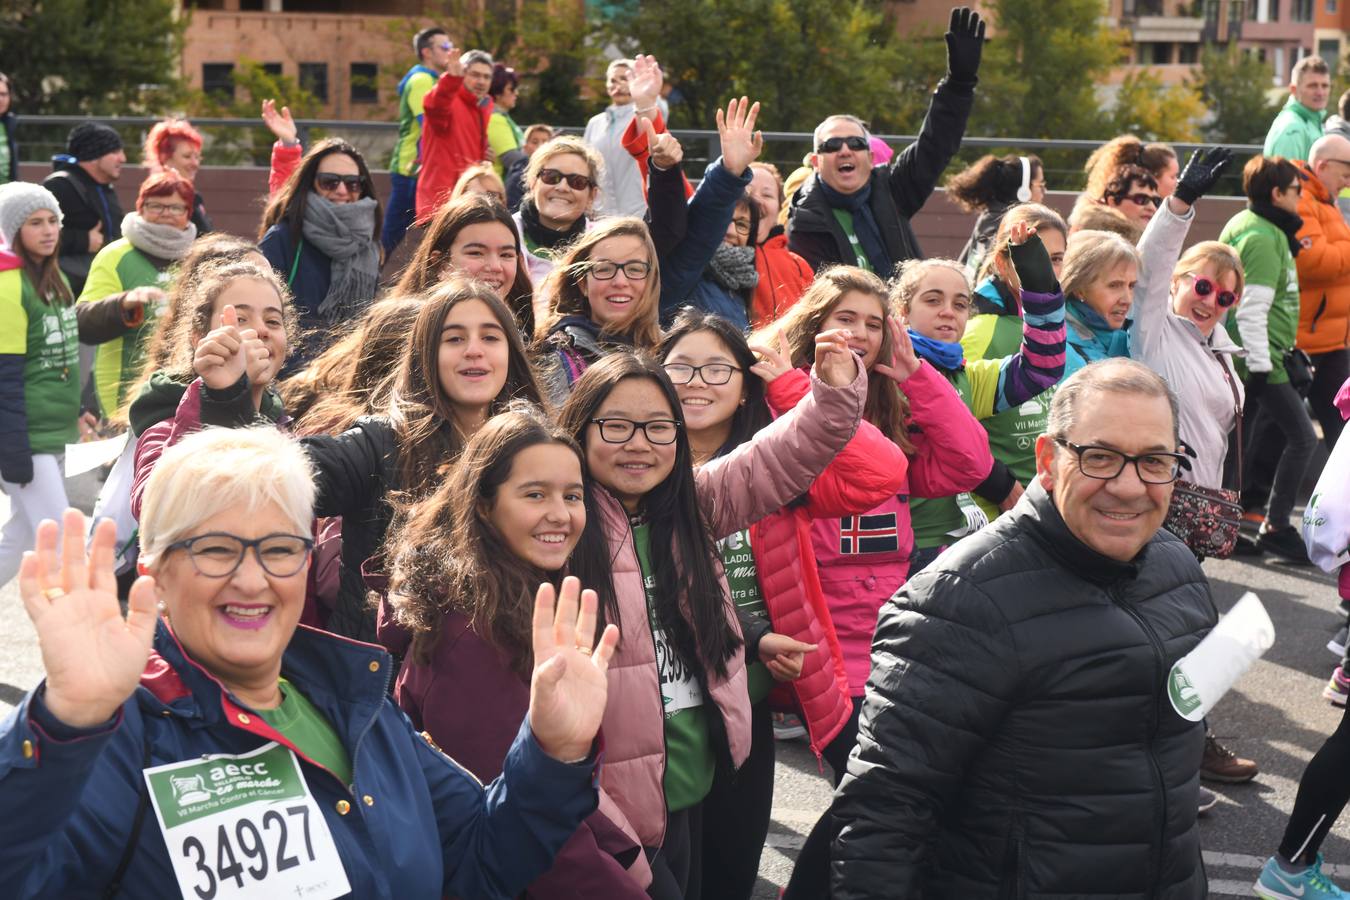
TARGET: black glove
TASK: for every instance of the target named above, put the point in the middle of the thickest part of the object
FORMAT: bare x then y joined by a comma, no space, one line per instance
17,470
1256,384
1034,269
1202,173
965,43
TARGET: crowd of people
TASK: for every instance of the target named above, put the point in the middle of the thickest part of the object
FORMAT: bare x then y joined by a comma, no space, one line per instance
500,574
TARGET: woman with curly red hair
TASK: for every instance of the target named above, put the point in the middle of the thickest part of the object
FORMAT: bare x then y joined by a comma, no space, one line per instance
174,144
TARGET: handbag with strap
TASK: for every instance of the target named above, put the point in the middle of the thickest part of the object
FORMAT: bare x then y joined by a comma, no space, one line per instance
1208,519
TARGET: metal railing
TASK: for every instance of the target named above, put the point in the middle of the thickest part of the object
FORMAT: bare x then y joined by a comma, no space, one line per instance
248,142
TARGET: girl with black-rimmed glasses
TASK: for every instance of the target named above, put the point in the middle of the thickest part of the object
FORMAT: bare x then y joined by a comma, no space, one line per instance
679,703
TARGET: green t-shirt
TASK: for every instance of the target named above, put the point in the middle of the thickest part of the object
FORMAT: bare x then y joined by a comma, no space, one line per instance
689,755
743,579
307,728
116,268
412,92
845,220
1266,262
46,335
4,156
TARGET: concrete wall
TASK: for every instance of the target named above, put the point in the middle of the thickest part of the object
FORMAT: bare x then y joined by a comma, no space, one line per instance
235,197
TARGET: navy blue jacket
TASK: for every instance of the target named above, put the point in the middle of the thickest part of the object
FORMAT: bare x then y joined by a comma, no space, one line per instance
313,274
414,824
683,268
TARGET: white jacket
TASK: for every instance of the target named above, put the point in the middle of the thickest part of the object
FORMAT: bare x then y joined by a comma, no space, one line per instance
1199,370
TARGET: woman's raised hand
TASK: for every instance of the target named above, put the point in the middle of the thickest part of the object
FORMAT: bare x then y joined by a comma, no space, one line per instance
280,123
569,686
904,361
836,363
93,657
772,363
741,143
644,83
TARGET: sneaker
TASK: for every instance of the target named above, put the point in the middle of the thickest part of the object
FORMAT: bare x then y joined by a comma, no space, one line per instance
1285,542
787,727
1337,644
1277,884
1208,800
1337,689
1245,546
1223,765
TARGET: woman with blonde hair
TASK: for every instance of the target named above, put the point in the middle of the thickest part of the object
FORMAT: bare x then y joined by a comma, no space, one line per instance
562,182
480,178
603,296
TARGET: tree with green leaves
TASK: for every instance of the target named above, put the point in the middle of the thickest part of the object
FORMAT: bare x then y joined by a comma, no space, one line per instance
69,57
1154,111
252,85
1236,89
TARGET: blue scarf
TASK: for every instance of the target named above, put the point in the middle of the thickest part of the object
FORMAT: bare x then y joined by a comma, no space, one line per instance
944,355
864,223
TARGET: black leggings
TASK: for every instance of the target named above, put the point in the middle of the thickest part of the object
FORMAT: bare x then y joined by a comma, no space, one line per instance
1322,794
1331,371
736,815
677,864
1280,411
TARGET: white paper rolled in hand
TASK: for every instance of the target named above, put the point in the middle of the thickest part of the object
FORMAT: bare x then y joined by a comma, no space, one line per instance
1201,678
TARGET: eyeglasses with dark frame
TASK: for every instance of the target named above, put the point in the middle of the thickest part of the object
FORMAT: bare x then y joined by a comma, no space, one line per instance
711,373
633,269
1104,463
329,181
620,431
574,181
1141,199
156,208
853,142
1206,286
219,554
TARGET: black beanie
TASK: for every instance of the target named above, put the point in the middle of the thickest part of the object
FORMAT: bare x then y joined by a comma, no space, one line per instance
90,140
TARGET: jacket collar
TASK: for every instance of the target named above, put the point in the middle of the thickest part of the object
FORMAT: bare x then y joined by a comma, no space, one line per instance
1039,515
993,297
1088,324
1307,115
1312,185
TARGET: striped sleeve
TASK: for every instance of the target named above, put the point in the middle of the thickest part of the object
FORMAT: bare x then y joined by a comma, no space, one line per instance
1039,364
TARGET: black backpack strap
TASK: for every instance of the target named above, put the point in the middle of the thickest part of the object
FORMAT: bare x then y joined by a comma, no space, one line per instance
142,805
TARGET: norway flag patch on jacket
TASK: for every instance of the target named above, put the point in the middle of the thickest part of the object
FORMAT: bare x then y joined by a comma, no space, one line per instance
869,534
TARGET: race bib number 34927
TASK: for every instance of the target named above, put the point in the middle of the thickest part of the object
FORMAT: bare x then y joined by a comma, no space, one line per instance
245,828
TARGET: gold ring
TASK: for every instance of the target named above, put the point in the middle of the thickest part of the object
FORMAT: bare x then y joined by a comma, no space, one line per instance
53,593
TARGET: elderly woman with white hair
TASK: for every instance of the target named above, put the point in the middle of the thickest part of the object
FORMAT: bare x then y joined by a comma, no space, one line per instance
216,746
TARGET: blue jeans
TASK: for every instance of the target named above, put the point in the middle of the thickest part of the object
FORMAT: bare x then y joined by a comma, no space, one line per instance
399,213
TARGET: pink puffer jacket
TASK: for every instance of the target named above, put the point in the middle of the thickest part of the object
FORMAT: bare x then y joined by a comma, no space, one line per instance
758,478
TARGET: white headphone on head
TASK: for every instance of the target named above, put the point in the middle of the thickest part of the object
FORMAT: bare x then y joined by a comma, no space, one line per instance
1024,191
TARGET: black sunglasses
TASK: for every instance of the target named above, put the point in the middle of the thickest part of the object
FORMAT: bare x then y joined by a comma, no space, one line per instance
1204,287
575,182
1141,199
835,144
328,181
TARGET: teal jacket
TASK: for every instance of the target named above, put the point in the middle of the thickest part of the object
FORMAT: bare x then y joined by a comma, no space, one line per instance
1292,133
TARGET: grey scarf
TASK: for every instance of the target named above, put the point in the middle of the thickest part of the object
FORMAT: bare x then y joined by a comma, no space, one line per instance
344,232
160,241
734,267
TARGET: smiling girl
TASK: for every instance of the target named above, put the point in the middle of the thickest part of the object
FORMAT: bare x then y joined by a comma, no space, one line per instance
464,568
603,296
864,559
727,396
679,700
39,368
934,298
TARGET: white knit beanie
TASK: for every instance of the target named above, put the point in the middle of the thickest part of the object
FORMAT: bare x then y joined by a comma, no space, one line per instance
18,201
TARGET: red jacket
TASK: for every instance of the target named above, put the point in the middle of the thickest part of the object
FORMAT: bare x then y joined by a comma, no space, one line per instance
454,137
783,278
869,469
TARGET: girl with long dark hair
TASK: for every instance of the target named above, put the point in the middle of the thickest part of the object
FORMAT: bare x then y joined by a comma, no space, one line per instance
679,698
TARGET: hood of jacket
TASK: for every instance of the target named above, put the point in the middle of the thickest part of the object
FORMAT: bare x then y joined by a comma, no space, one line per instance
160,395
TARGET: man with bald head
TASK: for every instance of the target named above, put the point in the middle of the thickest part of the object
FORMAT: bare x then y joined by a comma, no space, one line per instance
1324,278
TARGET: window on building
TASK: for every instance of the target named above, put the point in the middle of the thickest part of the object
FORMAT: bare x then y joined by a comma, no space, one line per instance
273,69
1331,6
364,89
1159,53
1188,54
1280,73
1330,50
314,78
1301,10
218,79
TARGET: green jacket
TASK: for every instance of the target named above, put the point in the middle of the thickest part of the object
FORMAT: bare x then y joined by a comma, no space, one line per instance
1292,133
46,336
412,91
1266,319
117,268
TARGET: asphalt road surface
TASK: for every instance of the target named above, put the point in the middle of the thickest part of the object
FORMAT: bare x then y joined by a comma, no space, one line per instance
1275,715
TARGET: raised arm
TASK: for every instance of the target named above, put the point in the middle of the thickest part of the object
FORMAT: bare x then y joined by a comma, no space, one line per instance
1039,363
286,151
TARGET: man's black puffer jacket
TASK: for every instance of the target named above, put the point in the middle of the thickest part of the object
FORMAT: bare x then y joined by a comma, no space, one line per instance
1016,737
899,189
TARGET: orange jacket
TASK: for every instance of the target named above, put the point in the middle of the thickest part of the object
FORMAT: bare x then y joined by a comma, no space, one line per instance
783,278
1323,270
